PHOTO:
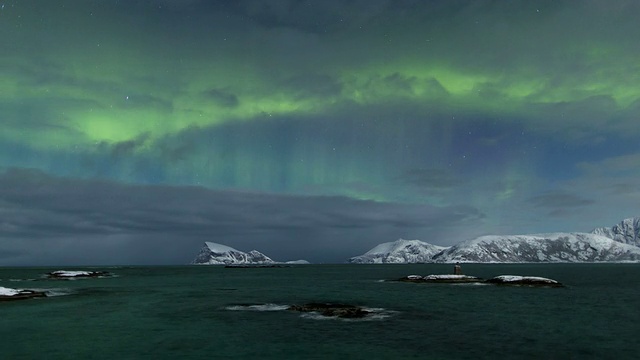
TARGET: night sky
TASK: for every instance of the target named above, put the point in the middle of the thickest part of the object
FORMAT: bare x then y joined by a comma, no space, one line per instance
133,131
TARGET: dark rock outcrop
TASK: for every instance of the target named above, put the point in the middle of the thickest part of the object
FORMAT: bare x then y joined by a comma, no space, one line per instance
516,280
344,311
21,294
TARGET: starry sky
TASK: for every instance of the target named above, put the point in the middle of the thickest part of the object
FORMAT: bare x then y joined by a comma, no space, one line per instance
133,131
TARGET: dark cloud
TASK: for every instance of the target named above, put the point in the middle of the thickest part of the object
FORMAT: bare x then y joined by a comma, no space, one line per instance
222,97
312,86
144,101
317,17
624,188
178,148
431,178
41,212
625,164
559,201
124,148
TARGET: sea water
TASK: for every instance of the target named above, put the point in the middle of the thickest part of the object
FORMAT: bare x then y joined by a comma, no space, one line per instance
213,312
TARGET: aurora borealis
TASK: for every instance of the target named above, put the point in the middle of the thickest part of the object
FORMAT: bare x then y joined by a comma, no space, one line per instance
310,129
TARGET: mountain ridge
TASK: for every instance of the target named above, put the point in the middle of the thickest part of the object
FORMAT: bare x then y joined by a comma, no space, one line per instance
219,254
551,247
399,251
615,244
619,243
627,231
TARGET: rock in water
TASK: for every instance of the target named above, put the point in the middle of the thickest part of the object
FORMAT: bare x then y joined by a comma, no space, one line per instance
445,279
8,294
517,280
343,311
65,274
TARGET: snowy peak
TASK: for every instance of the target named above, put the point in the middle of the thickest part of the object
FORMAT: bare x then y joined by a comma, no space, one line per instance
626,232
555,247
399,252
218,254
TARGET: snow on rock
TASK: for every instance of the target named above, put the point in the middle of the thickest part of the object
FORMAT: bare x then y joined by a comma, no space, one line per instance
17,294
440,278
523,280
75,274
554,247
452,279
8,291
66,273
399,252
512,278
218,248
626,232
448,277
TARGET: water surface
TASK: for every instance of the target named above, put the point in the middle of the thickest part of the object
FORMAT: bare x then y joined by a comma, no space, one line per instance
196,312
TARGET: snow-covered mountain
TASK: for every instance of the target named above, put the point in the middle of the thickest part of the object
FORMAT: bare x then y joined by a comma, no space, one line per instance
399,252
218,254
627,231
554,247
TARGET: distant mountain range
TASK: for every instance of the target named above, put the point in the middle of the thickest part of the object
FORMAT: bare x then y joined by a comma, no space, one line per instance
618,243
218,254
615,244
556,247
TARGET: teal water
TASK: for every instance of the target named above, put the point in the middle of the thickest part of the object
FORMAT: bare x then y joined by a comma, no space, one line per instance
184,313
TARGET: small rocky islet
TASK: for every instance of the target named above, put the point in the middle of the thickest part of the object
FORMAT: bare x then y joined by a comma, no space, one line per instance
445,279
517,280
320,310
342,311
76,274
9,294
507,280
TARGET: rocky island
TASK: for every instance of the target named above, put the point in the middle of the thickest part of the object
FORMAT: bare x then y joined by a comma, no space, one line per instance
509,280
219,254
70,275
